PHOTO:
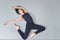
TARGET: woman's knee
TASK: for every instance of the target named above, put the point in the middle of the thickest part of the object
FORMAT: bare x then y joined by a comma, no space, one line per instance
24,37
42,28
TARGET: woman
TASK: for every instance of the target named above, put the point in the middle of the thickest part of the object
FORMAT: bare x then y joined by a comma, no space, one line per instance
29,25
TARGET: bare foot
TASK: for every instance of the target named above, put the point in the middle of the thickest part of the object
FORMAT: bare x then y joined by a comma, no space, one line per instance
31,36
16,27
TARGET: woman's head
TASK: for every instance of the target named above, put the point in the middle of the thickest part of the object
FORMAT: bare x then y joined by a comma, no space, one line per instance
19,11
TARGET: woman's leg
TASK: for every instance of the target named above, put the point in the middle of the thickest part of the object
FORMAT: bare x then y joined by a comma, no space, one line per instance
39,28
21,33
17,27
24,35
27,31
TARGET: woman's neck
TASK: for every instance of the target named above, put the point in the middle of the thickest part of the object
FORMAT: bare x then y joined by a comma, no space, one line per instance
23,13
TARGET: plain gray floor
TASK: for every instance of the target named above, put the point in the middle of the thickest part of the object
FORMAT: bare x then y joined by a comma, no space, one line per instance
44,12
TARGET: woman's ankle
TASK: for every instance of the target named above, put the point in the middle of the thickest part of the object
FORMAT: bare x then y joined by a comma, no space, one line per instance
17,27
32,35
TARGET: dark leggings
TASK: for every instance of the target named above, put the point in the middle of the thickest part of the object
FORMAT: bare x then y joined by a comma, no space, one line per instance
39,28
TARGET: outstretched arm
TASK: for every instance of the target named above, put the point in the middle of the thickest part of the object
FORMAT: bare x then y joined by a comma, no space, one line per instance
13,21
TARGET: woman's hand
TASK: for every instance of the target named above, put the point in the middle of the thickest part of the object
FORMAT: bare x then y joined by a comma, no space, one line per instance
5,23
24,9
16,7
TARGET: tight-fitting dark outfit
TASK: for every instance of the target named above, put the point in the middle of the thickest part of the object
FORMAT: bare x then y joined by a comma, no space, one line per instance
30,25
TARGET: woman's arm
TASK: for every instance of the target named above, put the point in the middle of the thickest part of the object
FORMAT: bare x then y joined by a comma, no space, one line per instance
15,7
14,21
24,9
20,7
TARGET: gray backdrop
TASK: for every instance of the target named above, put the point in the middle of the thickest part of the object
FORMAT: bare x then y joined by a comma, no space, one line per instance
44,12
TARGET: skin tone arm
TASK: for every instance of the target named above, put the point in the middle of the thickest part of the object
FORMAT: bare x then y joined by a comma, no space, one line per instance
14,21
18,19
19,7
24,9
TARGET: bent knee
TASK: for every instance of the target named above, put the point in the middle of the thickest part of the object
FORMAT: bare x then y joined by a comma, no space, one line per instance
42,28
25,37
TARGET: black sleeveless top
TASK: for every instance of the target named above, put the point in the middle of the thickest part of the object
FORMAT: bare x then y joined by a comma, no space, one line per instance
28,18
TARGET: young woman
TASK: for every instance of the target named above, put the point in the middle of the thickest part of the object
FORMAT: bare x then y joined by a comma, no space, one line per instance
29,25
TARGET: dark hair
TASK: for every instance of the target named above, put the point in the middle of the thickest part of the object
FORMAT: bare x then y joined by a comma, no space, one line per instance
18,11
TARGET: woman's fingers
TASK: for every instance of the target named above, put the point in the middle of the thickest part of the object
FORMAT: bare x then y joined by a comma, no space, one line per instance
14,7
5,23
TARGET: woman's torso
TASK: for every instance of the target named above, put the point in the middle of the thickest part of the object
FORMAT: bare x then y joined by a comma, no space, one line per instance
28,18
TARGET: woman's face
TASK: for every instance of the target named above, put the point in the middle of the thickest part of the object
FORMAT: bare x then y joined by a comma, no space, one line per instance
20,11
